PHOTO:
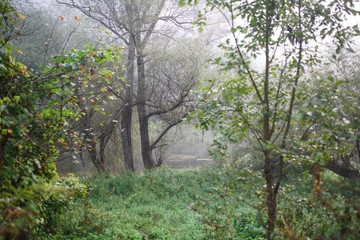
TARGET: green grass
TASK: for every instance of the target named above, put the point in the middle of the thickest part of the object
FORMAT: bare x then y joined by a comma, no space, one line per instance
153,205
192,204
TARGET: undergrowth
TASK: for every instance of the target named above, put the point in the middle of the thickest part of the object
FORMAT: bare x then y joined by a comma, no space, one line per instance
203,203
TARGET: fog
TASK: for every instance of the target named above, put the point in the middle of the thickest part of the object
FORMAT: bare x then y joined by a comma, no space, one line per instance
185,148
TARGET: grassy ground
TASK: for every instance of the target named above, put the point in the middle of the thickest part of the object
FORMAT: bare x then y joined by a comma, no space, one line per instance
186,204
152,205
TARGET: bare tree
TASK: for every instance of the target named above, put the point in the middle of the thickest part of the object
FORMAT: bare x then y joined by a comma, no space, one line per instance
134,22
172,73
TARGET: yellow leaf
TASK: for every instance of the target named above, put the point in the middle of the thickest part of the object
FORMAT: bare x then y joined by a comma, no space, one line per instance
20,16
92,100
24,70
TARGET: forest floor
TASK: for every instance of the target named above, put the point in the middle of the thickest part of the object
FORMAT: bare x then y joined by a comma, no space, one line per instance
159,204
201,203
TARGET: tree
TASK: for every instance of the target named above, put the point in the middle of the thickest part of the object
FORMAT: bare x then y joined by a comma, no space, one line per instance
34,110
102,111
45,35
92,81
259,104
26,142
48,33
134,23
346,73
119,18
333,92
172,73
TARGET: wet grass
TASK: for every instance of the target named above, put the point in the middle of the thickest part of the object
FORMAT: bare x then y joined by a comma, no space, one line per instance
151,205
202,203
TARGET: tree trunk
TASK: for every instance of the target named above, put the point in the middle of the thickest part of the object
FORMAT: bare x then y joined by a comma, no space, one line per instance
126,138
269,177
146,150
342,171
126,120
316,170
90,144
271,196
91,148
89,140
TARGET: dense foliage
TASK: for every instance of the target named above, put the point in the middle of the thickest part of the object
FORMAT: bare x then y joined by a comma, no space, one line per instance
207,204
294,116
36,112
268,106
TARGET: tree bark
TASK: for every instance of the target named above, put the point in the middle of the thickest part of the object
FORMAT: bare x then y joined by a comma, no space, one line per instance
269,177
342,171
316,170
90,144
271,196
126,120
91,148
146,150
89,140
126,138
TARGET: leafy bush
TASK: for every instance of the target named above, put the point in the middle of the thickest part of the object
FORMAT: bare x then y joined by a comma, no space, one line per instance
205,204
336,215
233,209
35,114
155,204
34,210
61,194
